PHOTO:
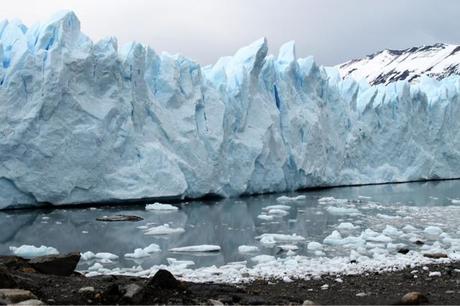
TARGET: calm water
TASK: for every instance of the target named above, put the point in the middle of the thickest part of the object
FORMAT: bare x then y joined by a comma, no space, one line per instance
232,222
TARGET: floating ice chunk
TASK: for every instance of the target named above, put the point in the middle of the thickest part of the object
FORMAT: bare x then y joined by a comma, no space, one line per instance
263,258
29,251
97,266
455,201
335,238
282,207
331,200
265,217
197,249
145,252
270,239
245,249
364,197
392,231
161,207
314,246
342,211
433,231
278,212
395,246
87,255
286,199
346,226
106,255
370,235
164,229
288,247
384,216
180,263
409,228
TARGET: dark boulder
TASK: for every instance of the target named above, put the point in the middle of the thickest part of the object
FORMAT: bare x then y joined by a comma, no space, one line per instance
63,265
163,279
403,251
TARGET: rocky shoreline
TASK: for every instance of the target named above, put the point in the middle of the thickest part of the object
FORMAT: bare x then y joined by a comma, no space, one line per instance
52,280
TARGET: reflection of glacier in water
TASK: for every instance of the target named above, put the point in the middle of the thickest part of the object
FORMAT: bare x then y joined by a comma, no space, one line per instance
355,223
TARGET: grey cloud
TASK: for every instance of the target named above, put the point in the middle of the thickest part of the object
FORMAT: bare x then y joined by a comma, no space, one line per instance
331,30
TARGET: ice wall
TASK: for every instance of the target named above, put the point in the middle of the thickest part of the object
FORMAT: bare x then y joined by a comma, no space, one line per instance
87,122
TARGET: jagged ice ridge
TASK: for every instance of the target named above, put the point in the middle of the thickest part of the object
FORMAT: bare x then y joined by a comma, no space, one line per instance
88,122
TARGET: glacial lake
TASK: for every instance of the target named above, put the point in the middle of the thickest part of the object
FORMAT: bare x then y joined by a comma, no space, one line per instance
404,213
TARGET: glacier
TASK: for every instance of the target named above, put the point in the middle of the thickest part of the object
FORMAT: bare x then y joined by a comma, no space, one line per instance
87,122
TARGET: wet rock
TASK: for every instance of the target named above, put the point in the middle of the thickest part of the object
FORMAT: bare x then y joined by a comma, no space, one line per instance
133,293
413,298
14,262
63,265
164,279
6,280
436,255
120,218
419,242
403,251
16,295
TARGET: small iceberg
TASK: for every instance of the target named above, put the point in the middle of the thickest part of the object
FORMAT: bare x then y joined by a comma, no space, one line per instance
161,207
246,249
197,249
145,252
286,199
164,230
29,251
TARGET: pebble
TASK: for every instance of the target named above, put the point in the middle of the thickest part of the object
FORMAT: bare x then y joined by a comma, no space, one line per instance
86,289
361,294
215,302
308,302
436,273
325,287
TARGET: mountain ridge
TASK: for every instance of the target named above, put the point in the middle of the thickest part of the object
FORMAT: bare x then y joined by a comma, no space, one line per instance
437,61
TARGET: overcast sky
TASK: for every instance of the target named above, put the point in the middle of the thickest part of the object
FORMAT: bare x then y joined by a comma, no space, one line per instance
331,30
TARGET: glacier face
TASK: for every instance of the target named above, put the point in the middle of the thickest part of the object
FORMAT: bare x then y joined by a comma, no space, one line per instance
88,122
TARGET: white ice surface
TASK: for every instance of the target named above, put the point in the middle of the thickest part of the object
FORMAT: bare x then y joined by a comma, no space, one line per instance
29,251
163,230
161,207
197,248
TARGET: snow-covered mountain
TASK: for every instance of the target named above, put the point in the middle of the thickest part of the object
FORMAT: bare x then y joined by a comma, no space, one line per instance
86,122
436,61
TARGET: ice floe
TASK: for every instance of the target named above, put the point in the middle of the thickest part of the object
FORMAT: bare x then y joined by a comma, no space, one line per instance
144,252
29,251
196,249
164,229
161,207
